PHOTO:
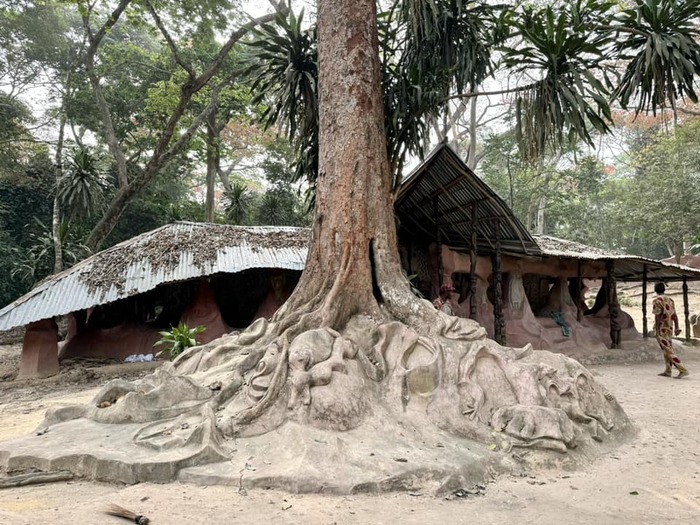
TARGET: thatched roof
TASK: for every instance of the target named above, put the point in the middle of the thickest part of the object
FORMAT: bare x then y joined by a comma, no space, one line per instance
440,194
175,252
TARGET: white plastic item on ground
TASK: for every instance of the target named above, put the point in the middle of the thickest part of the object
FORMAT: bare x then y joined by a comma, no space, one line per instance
139,358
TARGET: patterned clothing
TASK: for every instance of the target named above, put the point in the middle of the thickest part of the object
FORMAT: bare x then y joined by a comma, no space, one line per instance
443,306
664,311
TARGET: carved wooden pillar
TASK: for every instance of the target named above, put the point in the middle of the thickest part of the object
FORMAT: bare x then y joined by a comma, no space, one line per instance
472,265
645,326
499,326
613,305
438,240
579,289
685,308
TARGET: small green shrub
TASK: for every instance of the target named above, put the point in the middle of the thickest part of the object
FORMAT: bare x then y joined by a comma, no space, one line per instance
626,301
178,339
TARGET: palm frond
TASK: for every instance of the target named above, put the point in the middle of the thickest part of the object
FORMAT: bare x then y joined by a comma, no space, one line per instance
561,52
661,40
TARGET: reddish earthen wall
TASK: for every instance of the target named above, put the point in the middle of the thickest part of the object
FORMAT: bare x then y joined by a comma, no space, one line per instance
40,350
118,342
522,324
204,311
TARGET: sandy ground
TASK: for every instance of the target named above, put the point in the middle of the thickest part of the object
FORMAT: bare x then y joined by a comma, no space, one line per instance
654,479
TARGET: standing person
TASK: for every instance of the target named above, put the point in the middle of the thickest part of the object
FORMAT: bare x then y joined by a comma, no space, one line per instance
665,325
444,300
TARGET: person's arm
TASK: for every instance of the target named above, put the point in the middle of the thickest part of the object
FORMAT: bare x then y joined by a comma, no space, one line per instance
674,318
657,310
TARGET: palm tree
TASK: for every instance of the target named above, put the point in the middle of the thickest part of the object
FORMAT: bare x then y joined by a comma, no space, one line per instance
564,59
274,209
238,203
82,186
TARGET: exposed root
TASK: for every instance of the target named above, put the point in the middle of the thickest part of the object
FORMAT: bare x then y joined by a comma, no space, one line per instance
279,379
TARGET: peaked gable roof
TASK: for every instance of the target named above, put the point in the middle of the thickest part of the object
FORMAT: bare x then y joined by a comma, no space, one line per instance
441,193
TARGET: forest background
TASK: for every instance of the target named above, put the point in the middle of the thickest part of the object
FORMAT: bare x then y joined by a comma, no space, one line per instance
118,117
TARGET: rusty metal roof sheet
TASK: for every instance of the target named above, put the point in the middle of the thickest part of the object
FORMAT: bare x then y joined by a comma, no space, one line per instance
441,194
175,252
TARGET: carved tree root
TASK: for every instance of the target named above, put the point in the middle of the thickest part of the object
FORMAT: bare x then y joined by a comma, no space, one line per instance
34,478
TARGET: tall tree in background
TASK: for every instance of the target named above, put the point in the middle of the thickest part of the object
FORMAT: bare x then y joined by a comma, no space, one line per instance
663,193
175,136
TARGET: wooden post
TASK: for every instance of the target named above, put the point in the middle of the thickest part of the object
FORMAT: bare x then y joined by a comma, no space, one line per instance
472,265
499,326
645,326
438,238
579,289
613,306
685,308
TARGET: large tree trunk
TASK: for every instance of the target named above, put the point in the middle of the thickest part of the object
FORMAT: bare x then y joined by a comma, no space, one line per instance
353,264
56,216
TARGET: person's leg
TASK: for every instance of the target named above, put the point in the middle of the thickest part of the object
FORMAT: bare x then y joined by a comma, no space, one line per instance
667,349
682,371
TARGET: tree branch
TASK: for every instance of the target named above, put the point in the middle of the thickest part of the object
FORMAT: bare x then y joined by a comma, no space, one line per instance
96,39
163,152
101,101
171,43
224,51
687,111
488,93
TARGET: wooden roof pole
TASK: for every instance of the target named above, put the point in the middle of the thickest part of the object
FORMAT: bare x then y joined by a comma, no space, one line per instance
613,305
499,326
685,308
579,289
472,264
438,240
645,326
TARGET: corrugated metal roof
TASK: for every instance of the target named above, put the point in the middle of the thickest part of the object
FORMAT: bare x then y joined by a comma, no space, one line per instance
175,252
441,193
626,268
563,248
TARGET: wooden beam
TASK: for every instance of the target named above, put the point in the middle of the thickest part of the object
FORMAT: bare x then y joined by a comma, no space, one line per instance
438,240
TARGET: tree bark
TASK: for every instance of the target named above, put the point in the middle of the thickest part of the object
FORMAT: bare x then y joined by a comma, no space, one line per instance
212,149
56,215
353,264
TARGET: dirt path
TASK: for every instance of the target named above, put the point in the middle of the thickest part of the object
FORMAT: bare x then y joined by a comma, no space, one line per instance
655,479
